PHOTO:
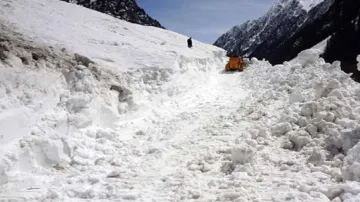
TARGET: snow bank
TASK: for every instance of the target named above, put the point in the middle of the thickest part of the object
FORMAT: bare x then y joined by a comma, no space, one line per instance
323,102
47,97
351,167
320,119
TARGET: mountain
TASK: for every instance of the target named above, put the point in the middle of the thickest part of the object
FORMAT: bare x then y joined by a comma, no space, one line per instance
258,37
295,25
291,41
340,23
122,9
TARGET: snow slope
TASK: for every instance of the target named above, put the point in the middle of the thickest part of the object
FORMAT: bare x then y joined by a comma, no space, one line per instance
182,130
309,4
110,42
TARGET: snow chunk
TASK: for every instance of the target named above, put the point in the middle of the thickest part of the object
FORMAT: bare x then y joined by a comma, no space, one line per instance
332,85
296,96
317,157
336,93
281,129
350,138
242,154
351,167
336,65
114,174
53,150
299,139
302,121
308,109
289,119
3,176
327,116
333,140
331,89
307,57
358,60
254,60
77,103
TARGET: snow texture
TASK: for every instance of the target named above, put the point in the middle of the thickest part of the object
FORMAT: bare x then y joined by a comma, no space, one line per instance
351,167
309,4
148,119
320,47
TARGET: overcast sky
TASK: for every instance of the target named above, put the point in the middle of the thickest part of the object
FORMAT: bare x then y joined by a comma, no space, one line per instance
204,20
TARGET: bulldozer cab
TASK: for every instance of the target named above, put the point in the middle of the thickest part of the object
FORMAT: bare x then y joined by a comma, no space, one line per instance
235,63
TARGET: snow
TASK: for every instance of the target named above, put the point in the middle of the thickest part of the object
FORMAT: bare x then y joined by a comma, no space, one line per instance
152,120
320,47
309,4
110,42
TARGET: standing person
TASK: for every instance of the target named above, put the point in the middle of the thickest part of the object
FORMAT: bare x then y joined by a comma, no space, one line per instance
189,42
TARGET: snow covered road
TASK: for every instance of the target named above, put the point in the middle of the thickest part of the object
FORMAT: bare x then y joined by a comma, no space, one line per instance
183,142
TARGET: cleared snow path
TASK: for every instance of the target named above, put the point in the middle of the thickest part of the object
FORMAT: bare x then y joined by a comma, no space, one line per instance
179,143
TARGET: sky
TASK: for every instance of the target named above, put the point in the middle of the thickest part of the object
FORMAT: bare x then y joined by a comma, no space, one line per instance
204,20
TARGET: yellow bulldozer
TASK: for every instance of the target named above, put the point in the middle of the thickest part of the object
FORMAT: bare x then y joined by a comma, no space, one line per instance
235,64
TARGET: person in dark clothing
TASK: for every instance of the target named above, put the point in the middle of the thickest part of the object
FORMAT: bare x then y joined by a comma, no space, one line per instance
189,42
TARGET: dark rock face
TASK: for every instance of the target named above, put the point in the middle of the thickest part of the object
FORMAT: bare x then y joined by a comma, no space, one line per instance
344,44
341,22
302,38
122,9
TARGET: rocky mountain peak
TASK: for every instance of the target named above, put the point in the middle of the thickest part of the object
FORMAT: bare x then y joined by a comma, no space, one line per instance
122,9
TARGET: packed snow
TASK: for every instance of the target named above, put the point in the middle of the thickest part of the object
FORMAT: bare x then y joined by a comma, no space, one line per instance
309,4
320,47
97,109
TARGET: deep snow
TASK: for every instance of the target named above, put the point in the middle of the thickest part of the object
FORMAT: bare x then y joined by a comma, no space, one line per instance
183,130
